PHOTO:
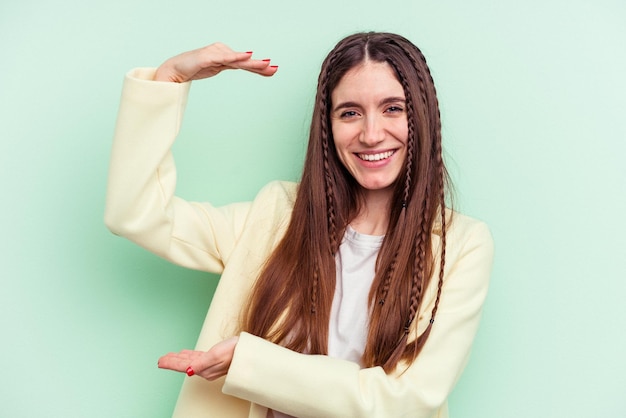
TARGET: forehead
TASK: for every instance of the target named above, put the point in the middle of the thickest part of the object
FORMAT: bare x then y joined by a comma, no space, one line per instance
369,79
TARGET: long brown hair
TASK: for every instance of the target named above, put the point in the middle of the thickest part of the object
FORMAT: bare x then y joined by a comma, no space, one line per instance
291,301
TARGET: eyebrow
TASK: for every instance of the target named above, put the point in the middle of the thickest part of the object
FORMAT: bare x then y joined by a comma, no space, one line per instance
384,101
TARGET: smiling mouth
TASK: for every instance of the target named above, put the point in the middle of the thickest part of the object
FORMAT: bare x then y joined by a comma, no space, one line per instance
376,157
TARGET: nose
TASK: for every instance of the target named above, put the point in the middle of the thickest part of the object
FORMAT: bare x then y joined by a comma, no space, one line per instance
373,132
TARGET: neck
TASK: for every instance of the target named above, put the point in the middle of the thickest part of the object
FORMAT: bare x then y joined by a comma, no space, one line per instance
373,218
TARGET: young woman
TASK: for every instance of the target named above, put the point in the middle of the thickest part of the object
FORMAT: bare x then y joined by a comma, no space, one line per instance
354,293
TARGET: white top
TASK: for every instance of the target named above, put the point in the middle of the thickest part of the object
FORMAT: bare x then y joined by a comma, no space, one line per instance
349,319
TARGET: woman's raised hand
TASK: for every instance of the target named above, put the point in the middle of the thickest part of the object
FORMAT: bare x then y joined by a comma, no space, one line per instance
209,61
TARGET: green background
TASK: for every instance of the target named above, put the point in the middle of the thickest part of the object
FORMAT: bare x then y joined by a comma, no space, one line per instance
533,105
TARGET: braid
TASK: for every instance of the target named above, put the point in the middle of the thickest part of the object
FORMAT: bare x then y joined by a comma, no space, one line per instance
419,268
314,291
328,184
441,264
410,135
441,175
330,198
410,147
442,209
420,76
324,132
387,282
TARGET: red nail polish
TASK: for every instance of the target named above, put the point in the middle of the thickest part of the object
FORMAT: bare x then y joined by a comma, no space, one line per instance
190,371
267,60
248,52
274,66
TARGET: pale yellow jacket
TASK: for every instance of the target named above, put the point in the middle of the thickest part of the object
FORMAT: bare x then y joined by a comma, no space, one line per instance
234,241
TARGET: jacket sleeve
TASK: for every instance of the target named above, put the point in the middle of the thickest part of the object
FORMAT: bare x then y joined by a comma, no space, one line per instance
315,386
140,201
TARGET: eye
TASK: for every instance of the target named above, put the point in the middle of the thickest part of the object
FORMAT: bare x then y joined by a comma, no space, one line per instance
348,114
394,109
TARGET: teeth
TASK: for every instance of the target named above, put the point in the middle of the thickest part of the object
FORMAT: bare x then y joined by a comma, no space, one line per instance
376,157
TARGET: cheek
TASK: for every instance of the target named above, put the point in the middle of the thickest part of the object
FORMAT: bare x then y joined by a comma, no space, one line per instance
402,131
341,138
337,131
341,152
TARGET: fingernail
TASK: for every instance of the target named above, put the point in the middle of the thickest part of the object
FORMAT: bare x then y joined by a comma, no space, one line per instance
267,60
273,66
248,52
190,371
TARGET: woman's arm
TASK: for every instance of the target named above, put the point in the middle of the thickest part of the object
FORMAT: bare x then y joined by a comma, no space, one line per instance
314,386
141,204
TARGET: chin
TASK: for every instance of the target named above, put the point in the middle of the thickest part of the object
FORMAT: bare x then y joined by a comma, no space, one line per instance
376,186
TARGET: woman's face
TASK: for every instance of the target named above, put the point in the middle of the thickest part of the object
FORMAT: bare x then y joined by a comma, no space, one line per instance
369,124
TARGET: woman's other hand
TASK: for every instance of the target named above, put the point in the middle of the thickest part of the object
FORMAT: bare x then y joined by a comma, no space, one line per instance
210,365
209,61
